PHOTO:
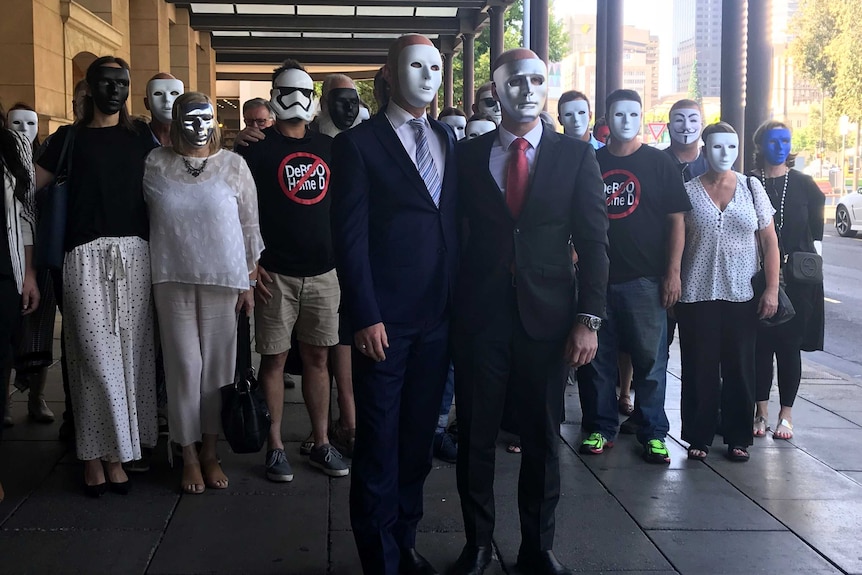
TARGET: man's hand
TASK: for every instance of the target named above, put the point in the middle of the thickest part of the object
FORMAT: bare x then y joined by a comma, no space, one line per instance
29,293
245,301
671,290
250,134
372,341
260,290
581,346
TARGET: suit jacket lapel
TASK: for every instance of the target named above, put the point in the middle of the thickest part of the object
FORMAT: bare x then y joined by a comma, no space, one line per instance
484,160
543,170
390,141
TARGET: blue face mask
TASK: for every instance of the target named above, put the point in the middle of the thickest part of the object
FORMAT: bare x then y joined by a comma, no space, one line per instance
776,146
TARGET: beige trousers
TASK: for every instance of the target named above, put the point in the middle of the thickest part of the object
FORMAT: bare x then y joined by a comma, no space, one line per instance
197,324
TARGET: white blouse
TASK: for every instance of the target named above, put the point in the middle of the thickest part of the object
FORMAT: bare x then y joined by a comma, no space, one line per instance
721,253
203,230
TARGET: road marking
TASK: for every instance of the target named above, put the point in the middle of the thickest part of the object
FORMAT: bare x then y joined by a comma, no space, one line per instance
830,300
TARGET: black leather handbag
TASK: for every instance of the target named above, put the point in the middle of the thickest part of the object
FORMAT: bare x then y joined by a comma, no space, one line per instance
785,311
804,267
244,415
52,205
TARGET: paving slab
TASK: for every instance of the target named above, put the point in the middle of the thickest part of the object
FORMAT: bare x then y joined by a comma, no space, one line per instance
42,552
832,527
737,552
25,466
774,473
854,475
838,449
854,416
676,499
28,430
834,397
245,534
626,453
808,415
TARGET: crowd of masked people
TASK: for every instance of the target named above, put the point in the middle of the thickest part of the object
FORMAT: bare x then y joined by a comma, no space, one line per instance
411,268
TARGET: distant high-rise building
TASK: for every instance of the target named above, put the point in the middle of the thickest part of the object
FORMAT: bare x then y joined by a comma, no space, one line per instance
697,38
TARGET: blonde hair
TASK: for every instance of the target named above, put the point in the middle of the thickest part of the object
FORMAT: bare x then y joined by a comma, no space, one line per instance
178,141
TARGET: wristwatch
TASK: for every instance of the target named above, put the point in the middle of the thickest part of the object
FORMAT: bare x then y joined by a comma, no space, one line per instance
592,322
252,283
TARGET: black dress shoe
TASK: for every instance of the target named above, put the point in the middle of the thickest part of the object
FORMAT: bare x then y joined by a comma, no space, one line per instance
541,563
121,488
95,491
472,561
414,564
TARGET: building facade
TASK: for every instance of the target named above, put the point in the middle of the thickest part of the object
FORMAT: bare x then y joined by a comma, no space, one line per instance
697,41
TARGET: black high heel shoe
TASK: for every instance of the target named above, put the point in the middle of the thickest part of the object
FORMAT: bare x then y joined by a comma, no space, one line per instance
122,488
95,491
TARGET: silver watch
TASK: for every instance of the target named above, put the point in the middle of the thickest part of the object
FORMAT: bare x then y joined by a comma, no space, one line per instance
593,323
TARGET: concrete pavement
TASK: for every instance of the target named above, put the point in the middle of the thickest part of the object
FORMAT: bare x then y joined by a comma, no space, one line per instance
796,507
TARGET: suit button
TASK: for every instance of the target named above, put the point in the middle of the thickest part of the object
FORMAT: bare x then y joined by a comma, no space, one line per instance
517,230
441,250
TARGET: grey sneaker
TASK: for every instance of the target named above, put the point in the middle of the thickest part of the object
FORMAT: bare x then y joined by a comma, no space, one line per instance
277,467
328,460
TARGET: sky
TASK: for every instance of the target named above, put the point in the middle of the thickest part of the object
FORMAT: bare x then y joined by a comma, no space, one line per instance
656,15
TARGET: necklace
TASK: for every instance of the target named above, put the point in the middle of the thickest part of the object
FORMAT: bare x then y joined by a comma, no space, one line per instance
195,171
783,195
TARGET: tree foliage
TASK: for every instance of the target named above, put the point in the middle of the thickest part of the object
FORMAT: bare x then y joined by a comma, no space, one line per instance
827,50
694,90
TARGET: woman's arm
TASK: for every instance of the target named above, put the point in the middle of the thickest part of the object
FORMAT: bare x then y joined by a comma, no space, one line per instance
768,304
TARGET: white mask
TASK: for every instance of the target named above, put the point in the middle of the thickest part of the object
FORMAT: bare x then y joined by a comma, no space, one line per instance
161,94
624,120
24,121
458,124
419,74
685,125
198,123
721,149
476,128
292,96
575,117
522,88
485,106
364,114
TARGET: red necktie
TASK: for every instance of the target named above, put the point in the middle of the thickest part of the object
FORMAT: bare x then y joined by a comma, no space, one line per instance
517,176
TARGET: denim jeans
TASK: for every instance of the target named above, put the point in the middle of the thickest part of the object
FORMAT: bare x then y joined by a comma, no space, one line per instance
446,405
636,323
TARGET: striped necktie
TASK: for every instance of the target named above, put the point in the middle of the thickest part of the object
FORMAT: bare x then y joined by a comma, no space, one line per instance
424,161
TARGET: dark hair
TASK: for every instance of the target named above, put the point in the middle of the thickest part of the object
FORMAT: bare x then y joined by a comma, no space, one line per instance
90,107
717,128
600,122
257,103
570,96
758,145
450,111
10,158
381,90
289,64
478,117
29,108
618,95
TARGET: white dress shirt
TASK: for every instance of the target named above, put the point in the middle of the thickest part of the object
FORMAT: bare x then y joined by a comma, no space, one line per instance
400,121
500,152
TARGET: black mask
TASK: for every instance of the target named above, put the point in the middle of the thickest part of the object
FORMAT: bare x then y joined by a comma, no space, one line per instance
109,88
343,107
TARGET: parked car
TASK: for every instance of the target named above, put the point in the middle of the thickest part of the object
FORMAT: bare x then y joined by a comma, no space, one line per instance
848,214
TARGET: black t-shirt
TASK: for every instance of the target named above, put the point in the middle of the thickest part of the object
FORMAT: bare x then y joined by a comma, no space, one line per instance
802,220
641,190
689,170
292,177
106,197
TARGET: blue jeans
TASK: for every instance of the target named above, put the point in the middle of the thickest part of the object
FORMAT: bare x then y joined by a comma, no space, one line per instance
448,395
636,323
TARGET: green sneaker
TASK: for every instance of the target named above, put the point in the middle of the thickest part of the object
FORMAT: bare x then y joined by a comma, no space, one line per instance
595,444
655,451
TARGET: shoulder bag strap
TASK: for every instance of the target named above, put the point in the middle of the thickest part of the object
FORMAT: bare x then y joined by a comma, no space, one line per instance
64,163
756,235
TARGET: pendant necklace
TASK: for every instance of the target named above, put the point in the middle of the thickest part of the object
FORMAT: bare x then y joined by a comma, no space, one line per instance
783,195
195,171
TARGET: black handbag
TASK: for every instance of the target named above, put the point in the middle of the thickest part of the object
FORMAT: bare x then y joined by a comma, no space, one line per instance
52,206
804,267
244,415
785,311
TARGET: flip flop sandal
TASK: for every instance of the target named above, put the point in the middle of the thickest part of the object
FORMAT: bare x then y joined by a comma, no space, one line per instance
737,454
787,425
759,426
698,456
624,404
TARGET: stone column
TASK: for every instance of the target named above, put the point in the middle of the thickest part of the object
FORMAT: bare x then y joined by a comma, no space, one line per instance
448,80
758,83
184,51
733,68
497,31
601,58
206,66
468,60
150,39
614,78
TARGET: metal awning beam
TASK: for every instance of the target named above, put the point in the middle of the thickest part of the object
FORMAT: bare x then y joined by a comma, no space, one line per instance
478,4
310,59
332,24
231,45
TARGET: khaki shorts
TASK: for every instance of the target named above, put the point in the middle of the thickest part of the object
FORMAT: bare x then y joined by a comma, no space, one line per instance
310,304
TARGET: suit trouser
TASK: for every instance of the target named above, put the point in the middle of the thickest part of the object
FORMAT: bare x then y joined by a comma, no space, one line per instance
397,406
485,363
198,331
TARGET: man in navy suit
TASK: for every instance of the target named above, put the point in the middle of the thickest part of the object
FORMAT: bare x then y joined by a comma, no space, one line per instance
521,314
393,215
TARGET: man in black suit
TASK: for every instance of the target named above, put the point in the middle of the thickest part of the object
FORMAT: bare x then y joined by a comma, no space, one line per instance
520,312
393,217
